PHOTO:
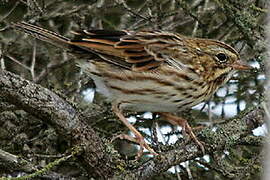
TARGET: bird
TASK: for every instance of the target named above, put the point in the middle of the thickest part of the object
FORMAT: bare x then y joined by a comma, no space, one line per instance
148,70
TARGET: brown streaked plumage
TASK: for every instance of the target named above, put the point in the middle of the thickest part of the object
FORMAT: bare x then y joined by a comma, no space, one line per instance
149,70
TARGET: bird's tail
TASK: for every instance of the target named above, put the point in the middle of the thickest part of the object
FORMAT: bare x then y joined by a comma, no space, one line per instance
42,34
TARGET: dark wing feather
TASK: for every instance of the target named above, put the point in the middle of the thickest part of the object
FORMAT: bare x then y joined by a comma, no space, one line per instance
138,51
143,50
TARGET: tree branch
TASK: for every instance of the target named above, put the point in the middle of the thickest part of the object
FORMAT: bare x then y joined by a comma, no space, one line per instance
52,109
15,162
99,159
227,134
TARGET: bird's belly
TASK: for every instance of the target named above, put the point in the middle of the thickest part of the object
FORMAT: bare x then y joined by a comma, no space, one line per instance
142,92
134,99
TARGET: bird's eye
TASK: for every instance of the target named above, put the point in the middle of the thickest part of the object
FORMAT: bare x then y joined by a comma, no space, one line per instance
222,57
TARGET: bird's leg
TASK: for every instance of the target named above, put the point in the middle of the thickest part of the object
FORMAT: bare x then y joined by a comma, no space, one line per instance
139,139
174,120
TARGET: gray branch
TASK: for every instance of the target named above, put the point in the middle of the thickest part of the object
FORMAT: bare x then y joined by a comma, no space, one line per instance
99,158
226,135
14,162
52,109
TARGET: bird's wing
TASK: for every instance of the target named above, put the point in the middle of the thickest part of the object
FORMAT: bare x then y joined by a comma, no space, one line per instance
138,51
144,50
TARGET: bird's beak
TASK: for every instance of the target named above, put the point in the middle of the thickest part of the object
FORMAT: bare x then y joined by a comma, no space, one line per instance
240,65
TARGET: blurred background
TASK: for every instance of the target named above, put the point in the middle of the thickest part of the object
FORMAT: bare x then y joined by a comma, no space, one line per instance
239,23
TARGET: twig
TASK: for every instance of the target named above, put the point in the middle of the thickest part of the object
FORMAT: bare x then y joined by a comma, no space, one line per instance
50,67
11,10
17,61
48,167
131,11
16,162
32,67
2,61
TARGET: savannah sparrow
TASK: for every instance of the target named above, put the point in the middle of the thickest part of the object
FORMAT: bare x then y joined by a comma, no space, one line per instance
153,71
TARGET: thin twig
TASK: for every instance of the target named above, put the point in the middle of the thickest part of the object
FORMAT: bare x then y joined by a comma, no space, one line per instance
2,61
11,10
132,12
32,67
17,61
50,67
